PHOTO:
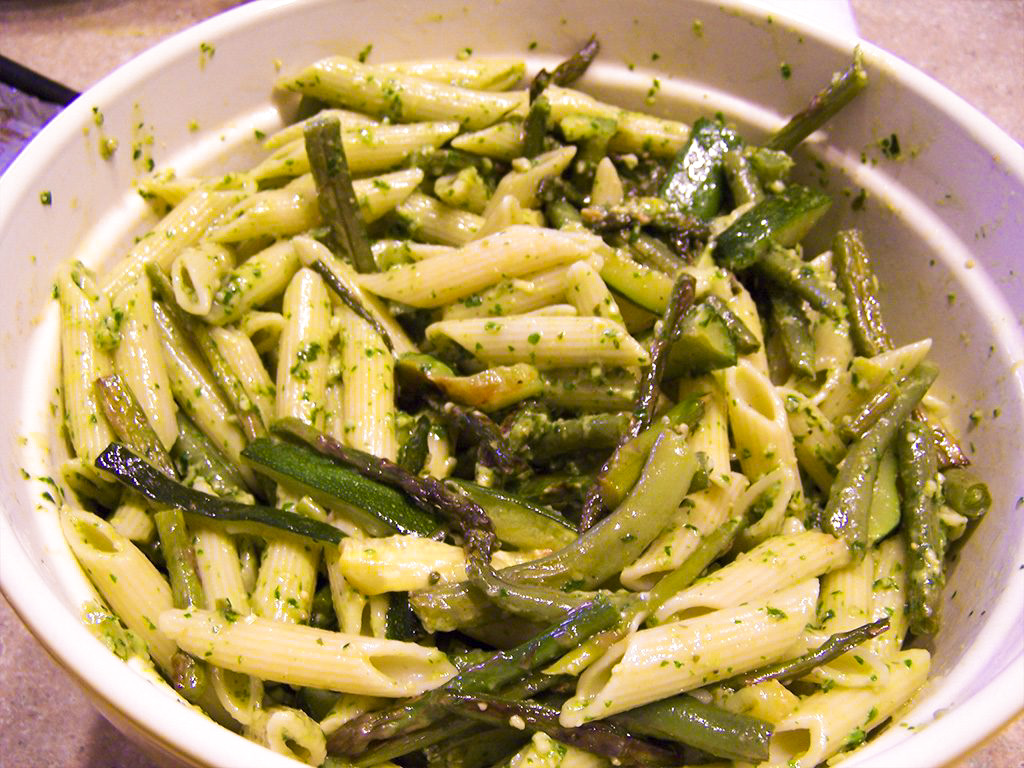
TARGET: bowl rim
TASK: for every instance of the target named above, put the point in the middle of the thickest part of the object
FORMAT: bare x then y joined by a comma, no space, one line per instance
103,676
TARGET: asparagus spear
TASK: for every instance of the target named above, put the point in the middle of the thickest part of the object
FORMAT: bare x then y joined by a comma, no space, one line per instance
846,514
140,476
926,542
413,453
823,106
793,669
336,196
683,291
794,332
489,676
689,721
129,423
599,738
966,493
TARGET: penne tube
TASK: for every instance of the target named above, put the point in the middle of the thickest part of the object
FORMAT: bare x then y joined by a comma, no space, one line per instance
129,583
502,141
512,252
403,563
254,282
585,289
402,98
368,387
513,297
302,354
196,274
522,184
545,342
305,656
289,732
775,564
139,360
481,74
83,361
243,359
293,208
662,661
179,229
368,148
429,219
826,722
348,119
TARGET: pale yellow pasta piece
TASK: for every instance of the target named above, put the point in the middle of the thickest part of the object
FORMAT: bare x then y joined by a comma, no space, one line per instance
403,563
521,182
305,656
774,564
826,722
655,663
512,252
129,583
545,342
139,360
196,274
289,732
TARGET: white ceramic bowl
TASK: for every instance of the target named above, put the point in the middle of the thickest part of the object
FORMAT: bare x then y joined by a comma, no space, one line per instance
946,220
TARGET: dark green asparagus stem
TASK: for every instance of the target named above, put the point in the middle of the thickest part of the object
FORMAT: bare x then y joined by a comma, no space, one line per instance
787,270
859,285
742,180
129,423
182,322
870,412
561,213
535,126
794,332
793,669
182,568
598,554
413,453
590,432
573,68
846,514
189,675
140,476
480,747
489,676
599,738
195,456
480,430
336,196
926,542
965,493
688,721
649,251
745,340
823,106
648,390
352,301
623,468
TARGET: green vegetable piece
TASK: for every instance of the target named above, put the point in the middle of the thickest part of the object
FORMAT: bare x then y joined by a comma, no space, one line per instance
413,453
786,269
135,473
926,541
704,344
965,493
781,219
650,288
823,106
696,180
744,338
716,731
846,513
884,513
518,522
794,332
859,286
127,419
378,508
400,623
336,196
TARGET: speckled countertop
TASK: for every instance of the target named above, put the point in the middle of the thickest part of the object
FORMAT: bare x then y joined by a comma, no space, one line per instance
975,47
